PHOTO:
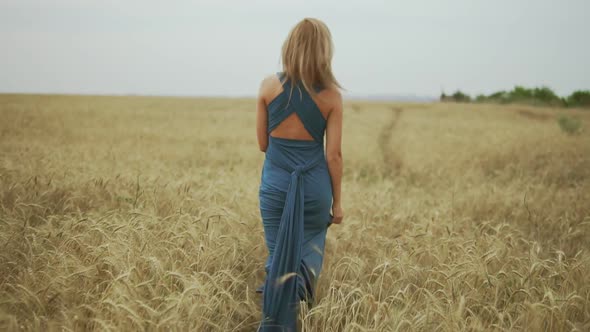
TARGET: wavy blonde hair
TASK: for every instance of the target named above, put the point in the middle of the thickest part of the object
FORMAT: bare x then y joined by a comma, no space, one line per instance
307,55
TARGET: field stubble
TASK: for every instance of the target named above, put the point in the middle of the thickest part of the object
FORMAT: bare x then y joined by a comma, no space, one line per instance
130,213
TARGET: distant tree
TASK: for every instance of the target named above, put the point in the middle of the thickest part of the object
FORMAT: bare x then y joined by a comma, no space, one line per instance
580,98
499,97
520,93
460,97
545,95
481,98
537,96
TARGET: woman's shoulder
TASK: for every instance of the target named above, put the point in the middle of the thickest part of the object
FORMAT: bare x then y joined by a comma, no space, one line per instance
328,100
332,91
270,87
270,80
331,94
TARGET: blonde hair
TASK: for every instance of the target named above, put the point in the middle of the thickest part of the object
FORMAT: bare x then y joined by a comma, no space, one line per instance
307,55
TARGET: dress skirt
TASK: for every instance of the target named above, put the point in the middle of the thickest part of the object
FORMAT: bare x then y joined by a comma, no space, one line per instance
295,201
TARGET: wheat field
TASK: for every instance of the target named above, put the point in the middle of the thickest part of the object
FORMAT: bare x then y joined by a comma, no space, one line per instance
141,213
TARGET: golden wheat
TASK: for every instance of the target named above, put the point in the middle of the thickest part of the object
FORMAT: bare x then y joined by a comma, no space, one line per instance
130,213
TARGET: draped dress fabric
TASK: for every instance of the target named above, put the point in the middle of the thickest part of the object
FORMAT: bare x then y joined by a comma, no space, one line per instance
295,201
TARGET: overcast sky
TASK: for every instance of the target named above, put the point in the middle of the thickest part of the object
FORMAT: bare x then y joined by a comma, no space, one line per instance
226,47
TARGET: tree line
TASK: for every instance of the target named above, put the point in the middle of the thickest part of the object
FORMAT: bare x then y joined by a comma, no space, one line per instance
542,96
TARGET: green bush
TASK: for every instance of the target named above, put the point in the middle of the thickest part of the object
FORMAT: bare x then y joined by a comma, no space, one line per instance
579,99
458,96
520,93
546,96
536,96
501,97
461,97
569,125
480,98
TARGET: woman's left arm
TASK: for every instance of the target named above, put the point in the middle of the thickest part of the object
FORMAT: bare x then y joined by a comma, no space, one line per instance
261,119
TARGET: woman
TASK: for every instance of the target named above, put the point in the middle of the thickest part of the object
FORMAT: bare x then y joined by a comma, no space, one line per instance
300,183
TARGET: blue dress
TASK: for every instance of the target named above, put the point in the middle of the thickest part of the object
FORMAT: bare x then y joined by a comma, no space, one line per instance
295,201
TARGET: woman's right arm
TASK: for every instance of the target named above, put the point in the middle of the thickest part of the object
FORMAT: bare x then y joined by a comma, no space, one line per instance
261,117
334,156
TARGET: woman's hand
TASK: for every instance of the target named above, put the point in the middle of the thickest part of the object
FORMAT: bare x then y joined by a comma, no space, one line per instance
337,214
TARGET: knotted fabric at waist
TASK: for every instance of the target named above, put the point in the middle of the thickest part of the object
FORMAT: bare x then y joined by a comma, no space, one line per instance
296,170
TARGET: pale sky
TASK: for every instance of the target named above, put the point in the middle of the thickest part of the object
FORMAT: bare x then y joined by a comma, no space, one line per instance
225,48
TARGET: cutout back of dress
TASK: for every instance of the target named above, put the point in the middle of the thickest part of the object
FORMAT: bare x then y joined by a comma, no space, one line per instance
295,104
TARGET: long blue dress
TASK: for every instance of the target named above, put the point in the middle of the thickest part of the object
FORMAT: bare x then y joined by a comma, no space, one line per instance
295,201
